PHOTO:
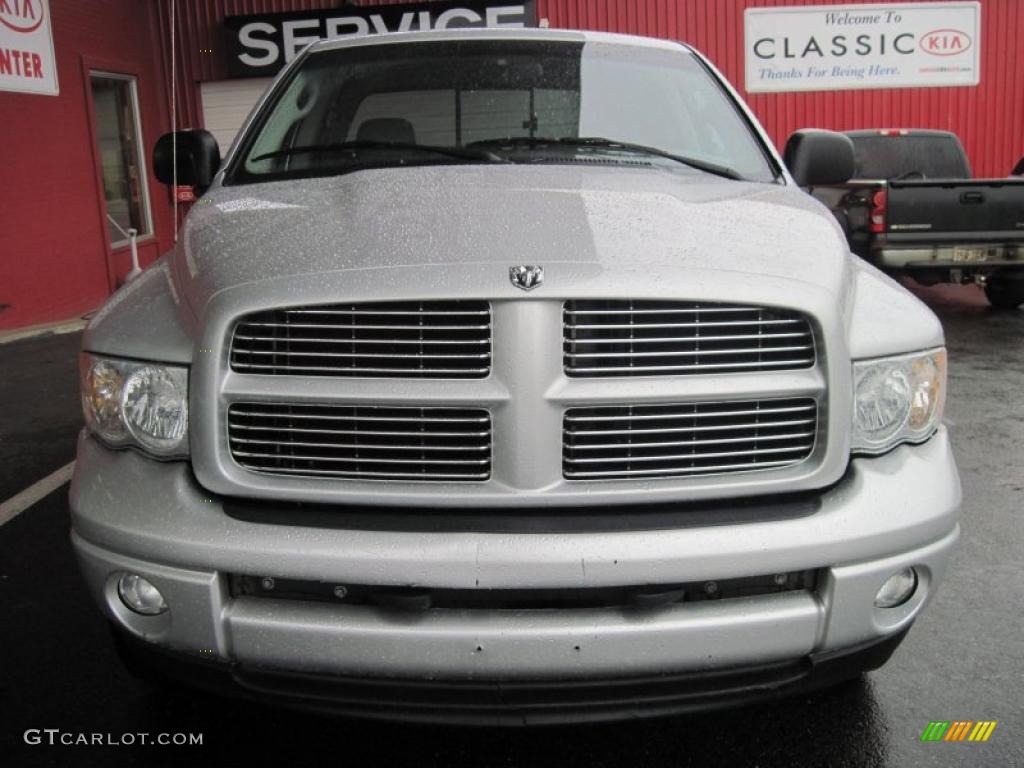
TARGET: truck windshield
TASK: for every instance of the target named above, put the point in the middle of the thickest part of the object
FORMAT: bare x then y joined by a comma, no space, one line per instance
892,157
498,101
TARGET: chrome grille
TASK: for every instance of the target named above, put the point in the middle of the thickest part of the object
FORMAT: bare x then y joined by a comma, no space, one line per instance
686,439
672,338
409,339
361,442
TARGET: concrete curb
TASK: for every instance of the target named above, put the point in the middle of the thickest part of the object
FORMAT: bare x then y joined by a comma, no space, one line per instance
56,329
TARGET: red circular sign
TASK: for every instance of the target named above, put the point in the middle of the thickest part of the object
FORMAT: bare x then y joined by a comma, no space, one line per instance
28,12
945,42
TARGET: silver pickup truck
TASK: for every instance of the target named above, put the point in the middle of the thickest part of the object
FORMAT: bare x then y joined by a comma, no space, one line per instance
510,377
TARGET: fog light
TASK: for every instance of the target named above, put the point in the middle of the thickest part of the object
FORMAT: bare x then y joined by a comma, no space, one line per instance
897,589
139,595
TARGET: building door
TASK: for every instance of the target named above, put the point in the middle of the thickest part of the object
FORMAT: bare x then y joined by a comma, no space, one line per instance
120,157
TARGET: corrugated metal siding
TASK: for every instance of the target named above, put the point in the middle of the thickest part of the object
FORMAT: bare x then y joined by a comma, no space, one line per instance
54,249
989,118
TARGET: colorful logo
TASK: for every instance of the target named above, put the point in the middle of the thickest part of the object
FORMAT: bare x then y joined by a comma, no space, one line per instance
958,730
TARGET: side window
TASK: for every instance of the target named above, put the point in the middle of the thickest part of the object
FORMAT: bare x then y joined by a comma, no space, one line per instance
116,109
888,157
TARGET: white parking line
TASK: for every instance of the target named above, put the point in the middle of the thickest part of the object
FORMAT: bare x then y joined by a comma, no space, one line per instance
18,503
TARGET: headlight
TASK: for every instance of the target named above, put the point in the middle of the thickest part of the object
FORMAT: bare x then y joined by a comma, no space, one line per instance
140,404
897,399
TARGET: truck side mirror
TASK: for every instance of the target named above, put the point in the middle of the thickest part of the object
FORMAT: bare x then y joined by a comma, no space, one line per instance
198,158
819,157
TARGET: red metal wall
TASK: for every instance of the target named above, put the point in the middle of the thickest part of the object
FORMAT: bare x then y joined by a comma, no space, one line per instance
989,118
55,259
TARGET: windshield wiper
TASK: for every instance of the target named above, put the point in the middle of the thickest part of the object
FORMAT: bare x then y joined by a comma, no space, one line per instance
613,144
462,153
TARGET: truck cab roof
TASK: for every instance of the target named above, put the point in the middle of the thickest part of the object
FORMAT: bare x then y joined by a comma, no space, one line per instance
896,132
492,33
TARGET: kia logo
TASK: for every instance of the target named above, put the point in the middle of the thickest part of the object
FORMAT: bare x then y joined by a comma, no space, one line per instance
945,42
21,15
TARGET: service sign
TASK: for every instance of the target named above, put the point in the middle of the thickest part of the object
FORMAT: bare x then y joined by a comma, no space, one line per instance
27,62
259,46
839,47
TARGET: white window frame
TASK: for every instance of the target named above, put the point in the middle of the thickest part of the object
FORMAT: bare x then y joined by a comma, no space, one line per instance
133,91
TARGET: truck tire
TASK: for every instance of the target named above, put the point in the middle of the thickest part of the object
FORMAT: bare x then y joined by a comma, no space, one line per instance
1005,294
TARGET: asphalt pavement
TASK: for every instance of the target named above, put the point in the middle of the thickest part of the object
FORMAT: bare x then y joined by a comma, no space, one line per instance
40,413
963,660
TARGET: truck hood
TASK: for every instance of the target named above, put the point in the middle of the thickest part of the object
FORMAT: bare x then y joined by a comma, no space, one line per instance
609,218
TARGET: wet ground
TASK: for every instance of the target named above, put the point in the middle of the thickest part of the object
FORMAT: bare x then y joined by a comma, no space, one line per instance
963,660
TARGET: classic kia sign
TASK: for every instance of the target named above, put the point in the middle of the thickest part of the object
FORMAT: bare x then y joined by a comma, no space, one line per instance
258,46
839,47
27,63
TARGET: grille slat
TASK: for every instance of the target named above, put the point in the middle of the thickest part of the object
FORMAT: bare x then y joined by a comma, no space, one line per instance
683,472
331,370
688,455
341,475
698,352
322,339
686,439
675,444
372,355
709,309
729,337
427,339
352,460
637,370
671,430
364,432
706,324
341,417
709,415
386,312
365,327
362,442
355,446
670,338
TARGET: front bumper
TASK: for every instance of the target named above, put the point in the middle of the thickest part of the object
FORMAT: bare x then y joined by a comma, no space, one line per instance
132,514
491,703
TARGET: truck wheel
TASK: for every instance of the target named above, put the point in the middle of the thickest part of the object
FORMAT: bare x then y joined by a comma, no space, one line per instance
1005,294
